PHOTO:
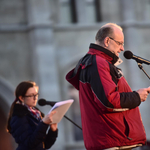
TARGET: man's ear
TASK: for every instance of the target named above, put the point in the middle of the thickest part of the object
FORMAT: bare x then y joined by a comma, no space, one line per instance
106,41
21,98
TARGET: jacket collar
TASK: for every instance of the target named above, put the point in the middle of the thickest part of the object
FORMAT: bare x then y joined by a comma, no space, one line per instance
20,110
99,50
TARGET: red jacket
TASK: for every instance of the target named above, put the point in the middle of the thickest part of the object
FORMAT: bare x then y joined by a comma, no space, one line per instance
109,108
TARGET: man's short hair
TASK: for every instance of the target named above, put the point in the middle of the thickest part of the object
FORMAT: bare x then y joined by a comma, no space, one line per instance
104,31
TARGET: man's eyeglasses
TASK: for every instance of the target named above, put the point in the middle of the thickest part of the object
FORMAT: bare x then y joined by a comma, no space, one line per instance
119,43
32,96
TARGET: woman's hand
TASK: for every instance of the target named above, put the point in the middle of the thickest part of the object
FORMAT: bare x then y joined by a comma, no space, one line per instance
53,127
48,118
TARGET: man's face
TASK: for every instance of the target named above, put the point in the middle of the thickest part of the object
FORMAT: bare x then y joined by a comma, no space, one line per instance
116,42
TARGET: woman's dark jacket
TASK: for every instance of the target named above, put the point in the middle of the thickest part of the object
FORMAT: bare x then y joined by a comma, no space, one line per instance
30,133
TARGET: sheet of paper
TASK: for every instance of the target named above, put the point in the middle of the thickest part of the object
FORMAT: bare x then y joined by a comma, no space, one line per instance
61,108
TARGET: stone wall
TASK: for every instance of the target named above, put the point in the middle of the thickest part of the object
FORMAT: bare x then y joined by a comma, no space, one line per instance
39,41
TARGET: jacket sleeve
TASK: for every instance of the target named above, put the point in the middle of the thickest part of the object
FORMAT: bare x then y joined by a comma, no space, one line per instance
107,91
50,138
24,133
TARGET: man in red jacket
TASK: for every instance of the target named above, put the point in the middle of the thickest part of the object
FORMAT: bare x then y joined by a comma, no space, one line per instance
109,108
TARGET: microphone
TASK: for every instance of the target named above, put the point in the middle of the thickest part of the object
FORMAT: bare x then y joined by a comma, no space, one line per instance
43,102
130,55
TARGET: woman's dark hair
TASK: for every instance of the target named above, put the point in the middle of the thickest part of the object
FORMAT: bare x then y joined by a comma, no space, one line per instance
21,90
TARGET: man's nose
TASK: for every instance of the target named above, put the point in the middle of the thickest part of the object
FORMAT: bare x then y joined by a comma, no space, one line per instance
122,48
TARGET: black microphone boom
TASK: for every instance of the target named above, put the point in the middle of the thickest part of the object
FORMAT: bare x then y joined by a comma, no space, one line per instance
130,55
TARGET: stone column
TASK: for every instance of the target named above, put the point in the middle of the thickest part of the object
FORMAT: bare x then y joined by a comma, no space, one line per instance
131,42
43,57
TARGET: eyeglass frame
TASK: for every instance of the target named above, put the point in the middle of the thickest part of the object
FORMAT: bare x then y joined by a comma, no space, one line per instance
119,43
32,96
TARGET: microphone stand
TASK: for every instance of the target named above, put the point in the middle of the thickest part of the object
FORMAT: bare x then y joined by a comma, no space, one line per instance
141,67
72,122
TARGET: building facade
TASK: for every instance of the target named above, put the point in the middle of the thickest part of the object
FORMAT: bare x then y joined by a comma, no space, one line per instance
41,40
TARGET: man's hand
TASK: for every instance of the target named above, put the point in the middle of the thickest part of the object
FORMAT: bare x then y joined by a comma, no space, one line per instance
143,93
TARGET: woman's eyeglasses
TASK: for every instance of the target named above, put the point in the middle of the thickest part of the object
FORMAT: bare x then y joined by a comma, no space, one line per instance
32,96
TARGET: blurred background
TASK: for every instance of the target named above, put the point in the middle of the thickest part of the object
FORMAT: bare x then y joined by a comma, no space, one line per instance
41,40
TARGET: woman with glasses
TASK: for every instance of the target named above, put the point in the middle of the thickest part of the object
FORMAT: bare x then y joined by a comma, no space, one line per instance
27,124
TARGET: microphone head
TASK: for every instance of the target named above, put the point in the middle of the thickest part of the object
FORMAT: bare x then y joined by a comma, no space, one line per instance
42,102
128,54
